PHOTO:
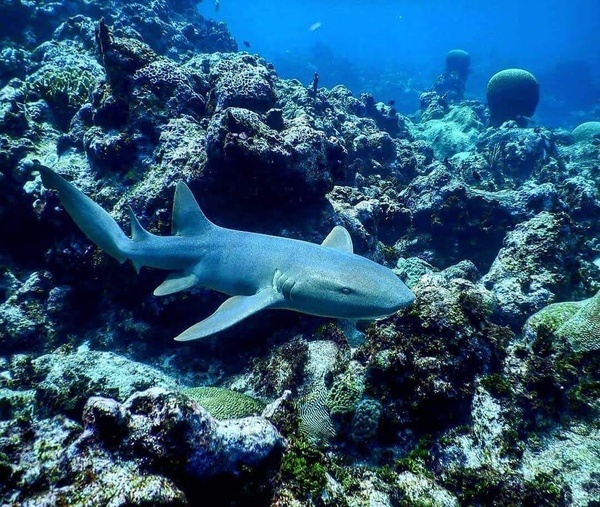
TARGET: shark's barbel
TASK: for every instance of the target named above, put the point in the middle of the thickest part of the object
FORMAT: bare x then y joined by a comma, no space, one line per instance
259,271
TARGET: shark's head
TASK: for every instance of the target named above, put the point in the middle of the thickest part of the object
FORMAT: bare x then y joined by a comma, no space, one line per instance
355,288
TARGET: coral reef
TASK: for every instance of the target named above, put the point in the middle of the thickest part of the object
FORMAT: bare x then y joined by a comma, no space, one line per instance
485,391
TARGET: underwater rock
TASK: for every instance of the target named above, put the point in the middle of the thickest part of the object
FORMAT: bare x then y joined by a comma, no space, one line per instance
420,489
174,87
163,428
548,374
454,222
570,454
282,370
16,405
374,147
31,309
386,117
175,28
488,443
582,199
433,106
14,121
514,155
412,269
456,132
425,362
359,214
13,64
66,379
64,76
535,265
154,449
259,168
236,80
373,215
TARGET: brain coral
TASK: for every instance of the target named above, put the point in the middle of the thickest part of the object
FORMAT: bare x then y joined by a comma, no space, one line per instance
315,423
586,131
347,389
550,318
512,94
574,323
458,61
582,331
224,403
366,420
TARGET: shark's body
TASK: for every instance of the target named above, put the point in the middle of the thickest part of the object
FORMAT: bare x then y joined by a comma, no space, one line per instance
259,271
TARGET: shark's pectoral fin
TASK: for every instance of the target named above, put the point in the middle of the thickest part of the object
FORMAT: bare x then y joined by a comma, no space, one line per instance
175,282
229,313
339,239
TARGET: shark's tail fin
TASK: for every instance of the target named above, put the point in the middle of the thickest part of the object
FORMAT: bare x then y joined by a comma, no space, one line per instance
96,223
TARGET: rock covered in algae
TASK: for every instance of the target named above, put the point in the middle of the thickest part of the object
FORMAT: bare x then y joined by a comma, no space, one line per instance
160,425
152,449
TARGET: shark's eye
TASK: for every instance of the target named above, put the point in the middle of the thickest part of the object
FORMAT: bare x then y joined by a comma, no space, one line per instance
346,290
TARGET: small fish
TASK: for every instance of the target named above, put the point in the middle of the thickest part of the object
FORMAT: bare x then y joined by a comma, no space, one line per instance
315,26
246,43
391,102
217,5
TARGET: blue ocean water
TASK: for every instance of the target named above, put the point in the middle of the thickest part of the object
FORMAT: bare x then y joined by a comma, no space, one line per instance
395,48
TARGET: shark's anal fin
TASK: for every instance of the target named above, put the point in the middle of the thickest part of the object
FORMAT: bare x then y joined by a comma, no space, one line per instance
176,282
339,239
233,310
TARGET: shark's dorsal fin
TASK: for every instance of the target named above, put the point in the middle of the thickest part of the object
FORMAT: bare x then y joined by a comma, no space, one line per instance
339,239
175,282
138,233
233,310
188,218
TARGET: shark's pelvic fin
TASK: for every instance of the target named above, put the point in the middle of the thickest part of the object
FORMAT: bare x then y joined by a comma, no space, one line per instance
233,310
175,282
339,239
188,218
98,225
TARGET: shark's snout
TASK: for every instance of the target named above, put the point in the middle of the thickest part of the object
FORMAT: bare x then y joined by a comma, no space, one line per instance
399,296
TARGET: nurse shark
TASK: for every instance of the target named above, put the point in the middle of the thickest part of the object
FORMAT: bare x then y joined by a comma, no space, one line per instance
258,271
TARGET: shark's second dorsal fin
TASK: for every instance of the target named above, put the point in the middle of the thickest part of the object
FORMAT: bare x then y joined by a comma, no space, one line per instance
188,218
339,239
138,233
